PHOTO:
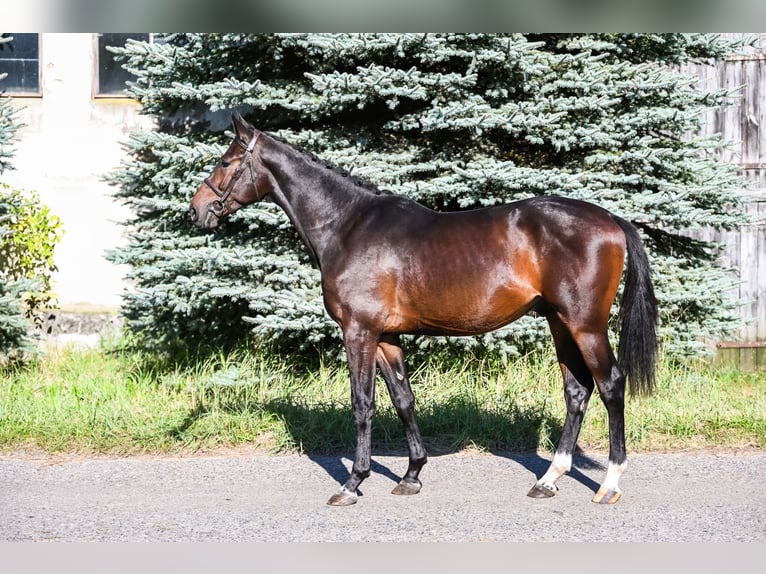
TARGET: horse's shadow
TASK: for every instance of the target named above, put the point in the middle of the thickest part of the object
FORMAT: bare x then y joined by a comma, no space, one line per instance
532,462
537,465
327,436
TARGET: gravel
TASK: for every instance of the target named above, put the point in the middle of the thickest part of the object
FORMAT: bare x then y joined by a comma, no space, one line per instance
466,497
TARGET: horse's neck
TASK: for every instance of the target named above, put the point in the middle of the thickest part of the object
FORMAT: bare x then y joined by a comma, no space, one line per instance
305,192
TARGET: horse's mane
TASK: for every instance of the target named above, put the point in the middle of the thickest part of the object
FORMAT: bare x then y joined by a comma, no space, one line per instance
358,181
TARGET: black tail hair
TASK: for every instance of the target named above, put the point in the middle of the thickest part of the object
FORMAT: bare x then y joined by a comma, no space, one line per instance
637,347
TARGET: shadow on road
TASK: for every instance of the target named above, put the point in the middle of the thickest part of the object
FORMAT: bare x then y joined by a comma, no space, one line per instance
537,465
335,467
532,462
324,430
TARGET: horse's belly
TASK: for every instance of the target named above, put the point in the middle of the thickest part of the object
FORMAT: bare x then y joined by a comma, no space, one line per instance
460,316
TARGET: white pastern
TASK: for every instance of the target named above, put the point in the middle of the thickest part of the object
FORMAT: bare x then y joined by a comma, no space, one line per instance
561,464
613,474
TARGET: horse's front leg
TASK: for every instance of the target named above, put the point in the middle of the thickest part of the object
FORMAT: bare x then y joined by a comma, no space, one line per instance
361,348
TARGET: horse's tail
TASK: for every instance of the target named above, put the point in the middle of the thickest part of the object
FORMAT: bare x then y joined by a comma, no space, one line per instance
637,348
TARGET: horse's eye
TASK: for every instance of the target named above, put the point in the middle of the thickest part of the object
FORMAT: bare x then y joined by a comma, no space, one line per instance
225,164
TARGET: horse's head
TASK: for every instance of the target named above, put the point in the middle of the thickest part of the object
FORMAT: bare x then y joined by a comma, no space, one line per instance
238,179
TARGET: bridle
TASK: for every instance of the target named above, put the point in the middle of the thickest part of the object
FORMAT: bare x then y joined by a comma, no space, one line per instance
218,207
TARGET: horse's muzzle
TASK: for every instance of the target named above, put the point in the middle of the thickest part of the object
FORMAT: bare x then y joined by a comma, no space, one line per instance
207,220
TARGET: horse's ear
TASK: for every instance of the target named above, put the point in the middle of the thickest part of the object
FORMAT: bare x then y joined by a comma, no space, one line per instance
241,127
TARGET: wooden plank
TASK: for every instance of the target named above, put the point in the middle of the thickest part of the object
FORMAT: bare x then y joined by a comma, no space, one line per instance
749,289
760,271
730,126
734,252
727,358
708,81
719,124
741,344
750,109
762,123
748,360
755,57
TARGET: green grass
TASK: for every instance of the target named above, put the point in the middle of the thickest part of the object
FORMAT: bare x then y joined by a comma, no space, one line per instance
121,402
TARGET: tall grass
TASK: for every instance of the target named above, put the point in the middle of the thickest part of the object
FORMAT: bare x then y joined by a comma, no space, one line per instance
122,402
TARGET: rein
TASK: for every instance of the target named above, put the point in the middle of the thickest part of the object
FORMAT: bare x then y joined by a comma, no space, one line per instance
218,206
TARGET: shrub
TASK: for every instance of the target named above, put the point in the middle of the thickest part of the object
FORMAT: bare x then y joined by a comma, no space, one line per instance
29,233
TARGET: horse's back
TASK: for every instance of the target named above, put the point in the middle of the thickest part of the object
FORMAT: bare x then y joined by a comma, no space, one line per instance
563,215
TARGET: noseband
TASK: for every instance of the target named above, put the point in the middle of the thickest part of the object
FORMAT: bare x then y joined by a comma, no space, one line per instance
218,206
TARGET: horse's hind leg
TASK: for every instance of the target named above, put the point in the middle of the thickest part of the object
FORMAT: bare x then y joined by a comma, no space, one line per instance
578,387
601,361
391,363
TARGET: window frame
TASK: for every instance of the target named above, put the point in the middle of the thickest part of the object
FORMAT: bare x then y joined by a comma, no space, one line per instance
8,92
96,94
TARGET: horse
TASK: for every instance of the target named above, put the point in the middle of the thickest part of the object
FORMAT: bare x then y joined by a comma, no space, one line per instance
391,266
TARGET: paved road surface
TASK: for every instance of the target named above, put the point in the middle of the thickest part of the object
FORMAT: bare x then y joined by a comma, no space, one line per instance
465,497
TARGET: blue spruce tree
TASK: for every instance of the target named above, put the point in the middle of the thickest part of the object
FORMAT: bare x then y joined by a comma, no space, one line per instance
455,121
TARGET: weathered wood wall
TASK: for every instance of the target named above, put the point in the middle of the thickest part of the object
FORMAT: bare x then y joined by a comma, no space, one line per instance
744,125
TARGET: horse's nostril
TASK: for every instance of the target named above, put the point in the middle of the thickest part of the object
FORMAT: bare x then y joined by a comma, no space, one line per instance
193,215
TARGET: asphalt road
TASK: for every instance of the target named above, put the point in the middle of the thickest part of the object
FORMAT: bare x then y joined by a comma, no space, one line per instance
465,497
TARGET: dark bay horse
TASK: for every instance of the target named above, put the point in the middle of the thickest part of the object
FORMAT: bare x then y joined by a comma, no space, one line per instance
390,266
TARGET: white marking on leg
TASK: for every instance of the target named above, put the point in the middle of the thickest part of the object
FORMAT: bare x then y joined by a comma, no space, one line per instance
561,464
613,474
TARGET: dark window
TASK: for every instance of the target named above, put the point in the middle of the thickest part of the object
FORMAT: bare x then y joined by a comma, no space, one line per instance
111,77
20,59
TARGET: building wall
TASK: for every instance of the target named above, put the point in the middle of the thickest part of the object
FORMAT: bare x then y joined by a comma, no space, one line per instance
69,143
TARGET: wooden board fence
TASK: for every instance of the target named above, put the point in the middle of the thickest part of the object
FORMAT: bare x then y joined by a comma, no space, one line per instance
744,125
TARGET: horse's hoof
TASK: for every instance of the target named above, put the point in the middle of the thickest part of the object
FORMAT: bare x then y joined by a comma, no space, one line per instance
342,498
541,491
607,496
407,488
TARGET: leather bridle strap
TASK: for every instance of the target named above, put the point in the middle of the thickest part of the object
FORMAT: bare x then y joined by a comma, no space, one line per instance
218,206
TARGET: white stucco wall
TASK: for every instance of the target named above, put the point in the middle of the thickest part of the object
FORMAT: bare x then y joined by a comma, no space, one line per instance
69,143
